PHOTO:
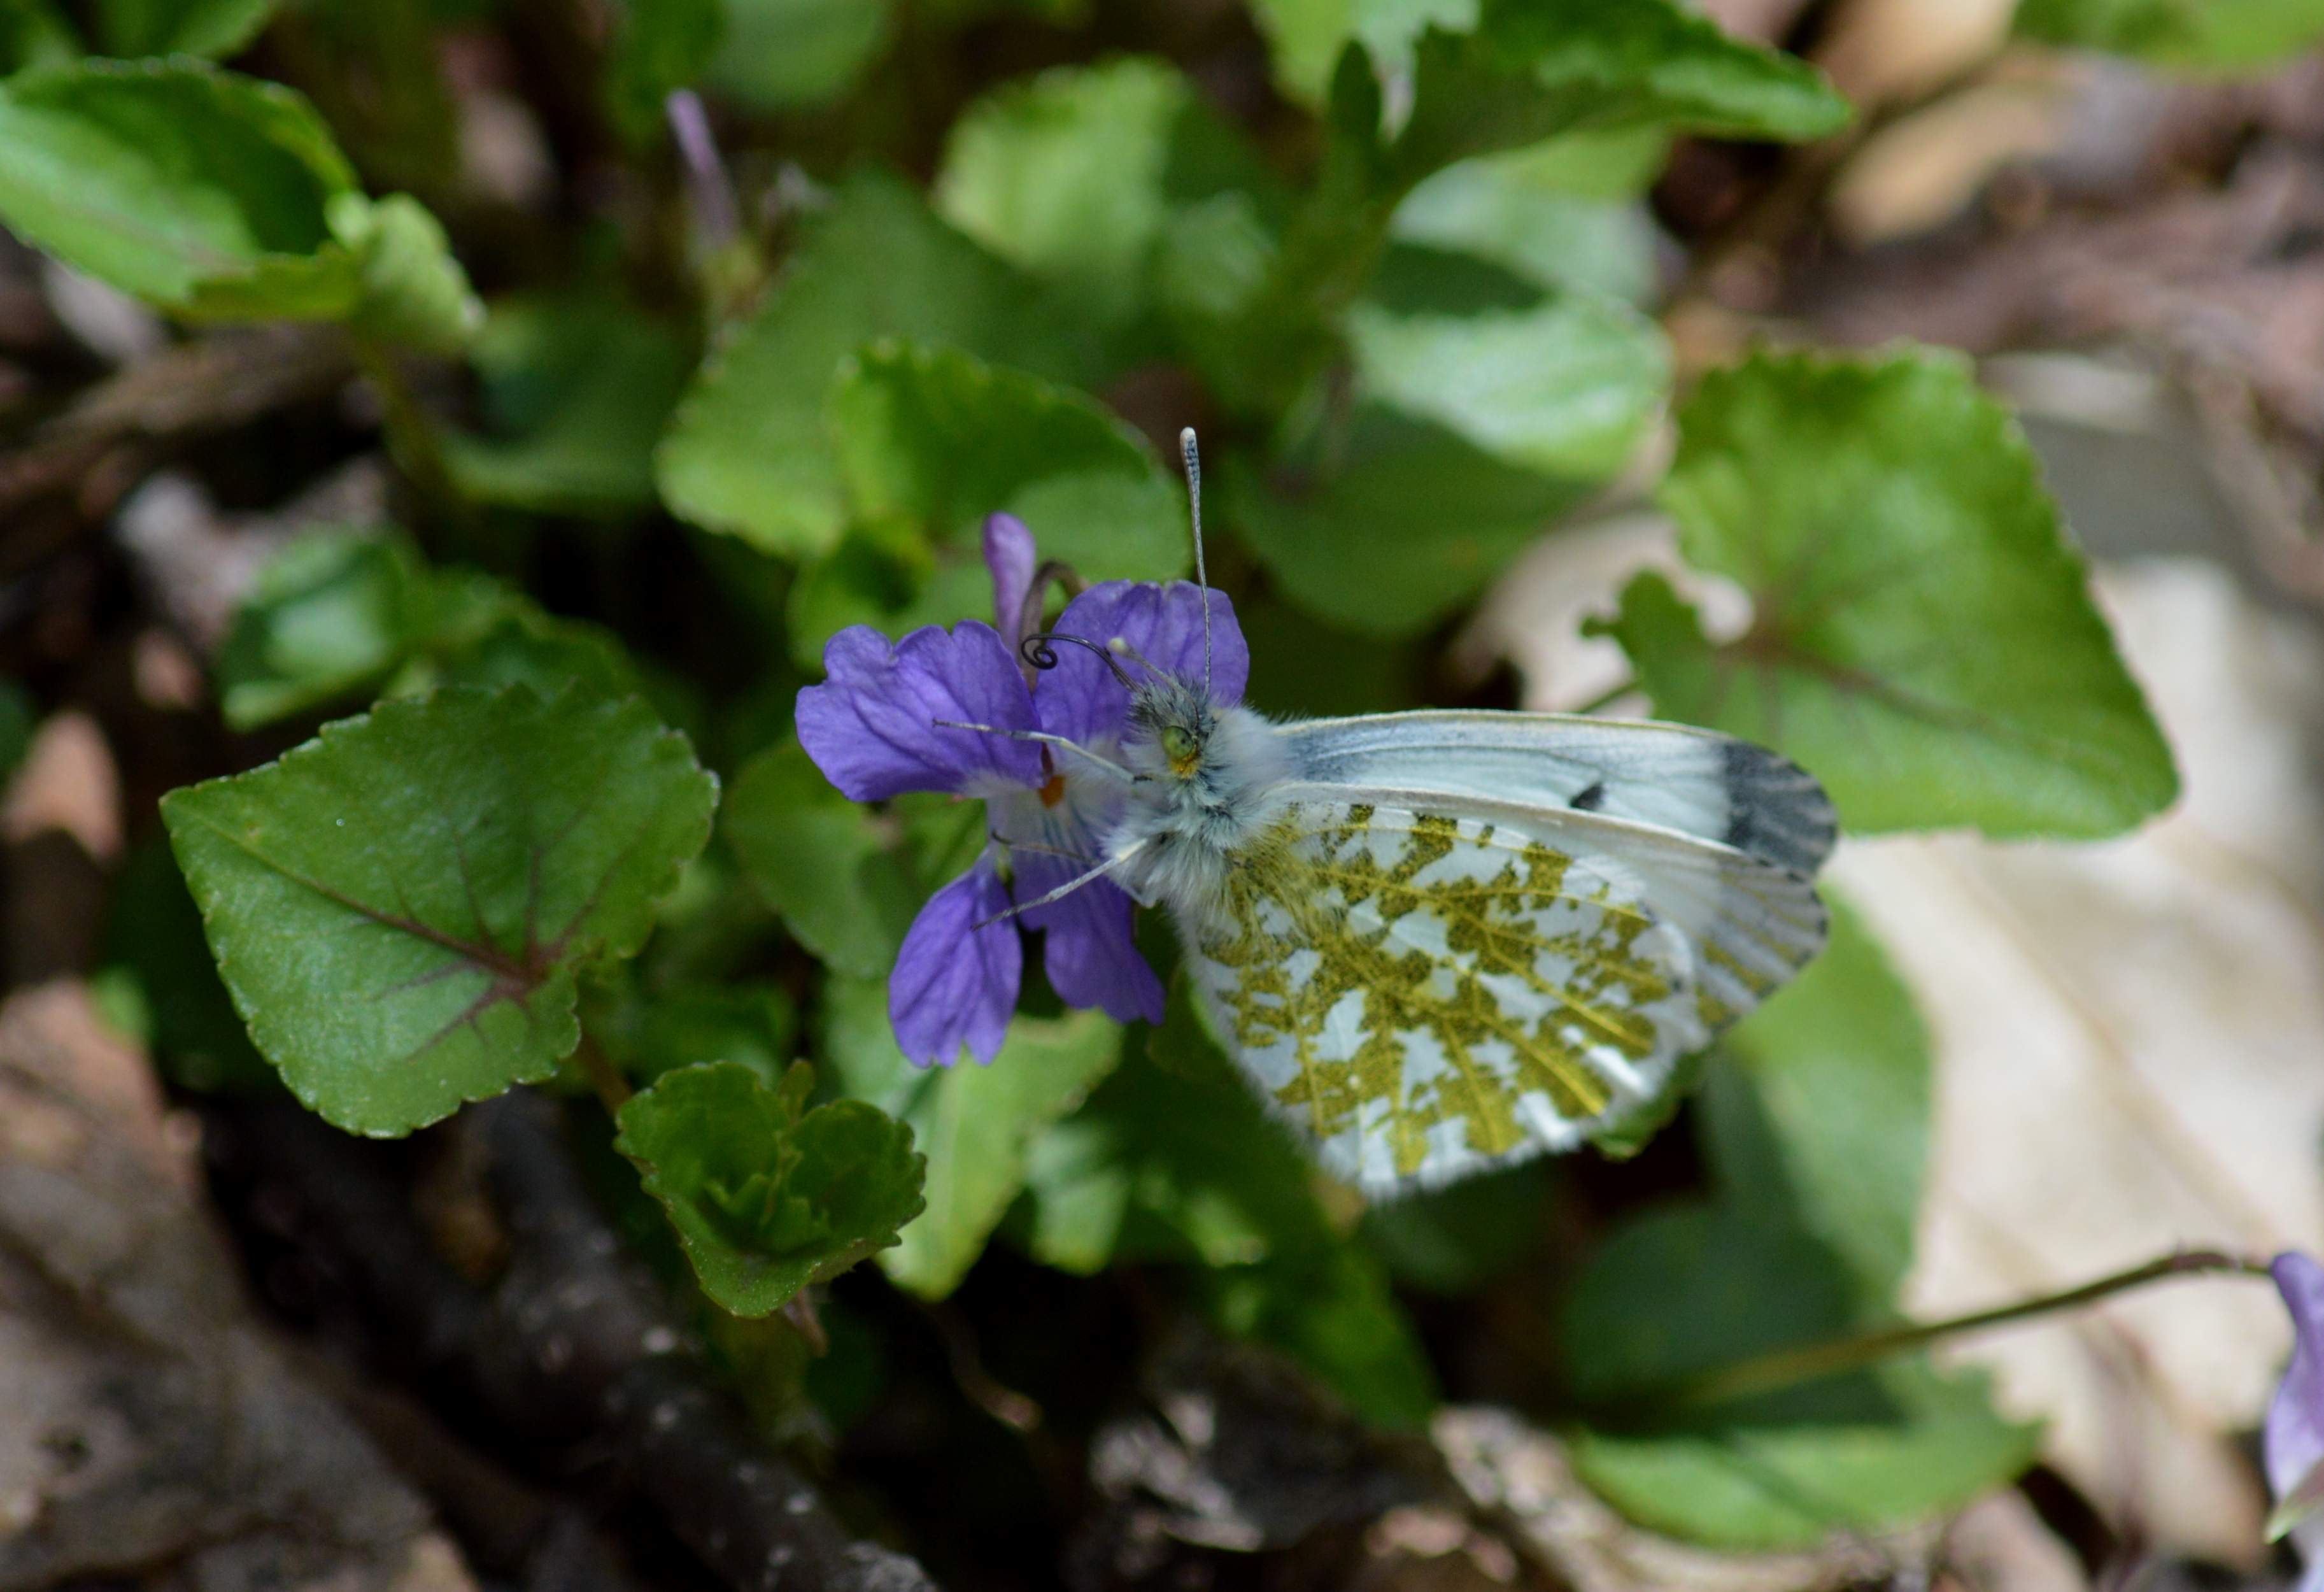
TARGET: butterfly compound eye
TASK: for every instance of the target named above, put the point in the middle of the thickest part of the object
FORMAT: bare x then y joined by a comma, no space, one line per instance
1180,748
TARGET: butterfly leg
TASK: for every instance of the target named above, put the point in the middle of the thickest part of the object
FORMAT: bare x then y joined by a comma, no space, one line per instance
1003,841
1068,887
1075,747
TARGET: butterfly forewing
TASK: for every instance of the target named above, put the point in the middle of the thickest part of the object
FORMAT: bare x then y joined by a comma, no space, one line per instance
1668,775
1427,989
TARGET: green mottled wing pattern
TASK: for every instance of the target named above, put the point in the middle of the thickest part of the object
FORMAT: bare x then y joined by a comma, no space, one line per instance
1427,989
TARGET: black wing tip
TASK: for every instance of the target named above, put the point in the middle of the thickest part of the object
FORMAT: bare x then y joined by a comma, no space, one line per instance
1776,812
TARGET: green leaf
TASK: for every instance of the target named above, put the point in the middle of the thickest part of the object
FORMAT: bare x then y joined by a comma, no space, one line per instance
1608,165
767,1197
1500,73
1924,640
1530,71
1533,69
1417,523
650,1032
400,907
1301,666
1565,385
577,388
930,440
1459,1239
891,590
1561,214
790,55
1304,37
337,615
34,34
213,28
1333,1313
1685,1289
329,616
973,1121
1213,260
748,452
1174,1159
2207,35
413,293
1819,1102
1073,175
198,190
519,645
1171,1160
826,865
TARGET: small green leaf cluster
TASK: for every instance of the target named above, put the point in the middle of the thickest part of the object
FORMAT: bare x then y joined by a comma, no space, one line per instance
767,1196
1420,332
219,197
340,614
1380,342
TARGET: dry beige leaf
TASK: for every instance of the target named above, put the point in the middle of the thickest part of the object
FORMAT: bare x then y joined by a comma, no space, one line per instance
68,782
1922,170
1998,1544
2127,1037
1880,51
149,1427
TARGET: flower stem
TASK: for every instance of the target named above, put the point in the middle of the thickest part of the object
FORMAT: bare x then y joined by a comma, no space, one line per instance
1810,1362
1607,698
606,1078
410,434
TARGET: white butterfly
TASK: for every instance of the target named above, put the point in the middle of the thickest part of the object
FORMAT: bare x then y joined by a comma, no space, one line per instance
1439,942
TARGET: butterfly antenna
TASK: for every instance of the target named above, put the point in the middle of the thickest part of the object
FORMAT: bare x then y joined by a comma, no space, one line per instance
1195,506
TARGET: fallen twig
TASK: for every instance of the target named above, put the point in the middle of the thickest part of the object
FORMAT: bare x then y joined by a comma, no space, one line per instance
210,385
571,1342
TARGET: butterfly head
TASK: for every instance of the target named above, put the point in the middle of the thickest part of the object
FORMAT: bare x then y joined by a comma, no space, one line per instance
1172,723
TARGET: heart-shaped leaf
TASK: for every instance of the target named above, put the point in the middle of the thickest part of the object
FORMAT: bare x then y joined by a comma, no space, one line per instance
1924,640
402,906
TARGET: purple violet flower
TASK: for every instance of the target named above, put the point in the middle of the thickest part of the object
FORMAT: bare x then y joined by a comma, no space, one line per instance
2292,1444
870,726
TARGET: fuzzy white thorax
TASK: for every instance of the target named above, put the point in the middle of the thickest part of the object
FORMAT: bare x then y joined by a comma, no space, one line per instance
1182,824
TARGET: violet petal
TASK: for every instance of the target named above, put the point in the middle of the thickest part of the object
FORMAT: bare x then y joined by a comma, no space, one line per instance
869,726
2292,1443
1088,947
956,984
1081,699
1010,555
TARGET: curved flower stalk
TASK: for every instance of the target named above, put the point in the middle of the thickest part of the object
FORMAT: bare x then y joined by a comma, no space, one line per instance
887,720
2292,1444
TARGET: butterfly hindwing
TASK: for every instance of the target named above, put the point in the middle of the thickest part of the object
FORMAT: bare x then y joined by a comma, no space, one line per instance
1427,988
